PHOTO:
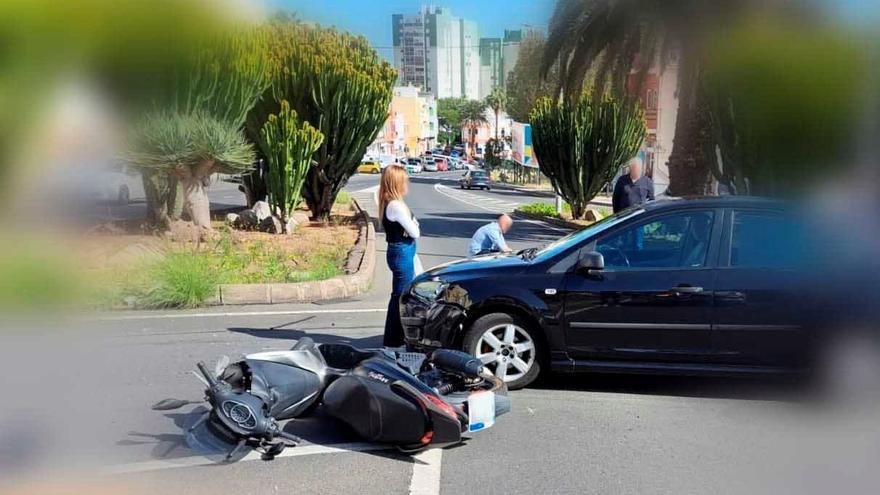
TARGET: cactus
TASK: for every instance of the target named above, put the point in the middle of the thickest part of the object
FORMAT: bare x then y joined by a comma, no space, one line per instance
290,147
196,130
337,83
580,145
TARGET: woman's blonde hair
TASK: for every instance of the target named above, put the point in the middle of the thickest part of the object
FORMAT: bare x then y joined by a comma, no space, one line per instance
392,186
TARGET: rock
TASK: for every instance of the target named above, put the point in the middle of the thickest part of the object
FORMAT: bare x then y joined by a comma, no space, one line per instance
290,226
592,216
271,225
231,218
262,210
247,220
300,217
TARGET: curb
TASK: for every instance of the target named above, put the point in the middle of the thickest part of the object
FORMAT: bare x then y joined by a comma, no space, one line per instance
360,268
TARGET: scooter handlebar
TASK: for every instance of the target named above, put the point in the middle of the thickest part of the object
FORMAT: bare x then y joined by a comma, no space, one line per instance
207,374
457,361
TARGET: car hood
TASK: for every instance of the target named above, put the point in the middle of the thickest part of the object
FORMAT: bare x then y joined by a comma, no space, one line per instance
478,265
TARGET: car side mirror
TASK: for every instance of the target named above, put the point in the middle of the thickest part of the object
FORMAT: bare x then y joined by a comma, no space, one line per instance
590,263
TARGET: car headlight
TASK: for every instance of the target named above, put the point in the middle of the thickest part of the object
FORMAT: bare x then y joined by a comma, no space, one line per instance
429,289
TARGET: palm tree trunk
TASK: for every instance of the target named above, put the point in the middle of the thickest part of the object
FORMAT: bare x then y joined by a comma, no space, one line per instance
156,191
196,203
688,171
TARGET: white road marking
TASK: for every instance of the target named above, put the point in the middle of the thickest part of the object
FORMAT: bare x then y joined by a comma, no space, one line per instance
194,461
440,189
236,313
426,473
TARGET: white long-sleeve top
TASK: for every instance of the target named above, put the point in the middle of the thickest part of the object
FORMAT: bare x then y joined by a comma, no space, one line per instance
397,211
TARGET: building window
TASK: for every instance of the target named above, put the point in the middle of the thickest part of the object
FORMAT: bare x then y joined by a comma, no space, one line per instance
651,98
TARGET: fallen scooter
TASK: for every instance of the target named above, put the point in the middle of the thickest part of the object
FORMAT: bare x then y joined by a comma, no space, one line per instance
412,401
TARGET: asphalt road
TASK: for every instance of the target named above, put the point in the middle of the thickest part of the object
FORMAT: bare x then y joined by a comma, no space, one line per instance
85,407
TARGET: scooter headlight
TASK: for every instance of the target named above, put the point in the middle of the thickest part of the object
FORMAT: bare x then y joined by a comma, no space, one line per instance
240,413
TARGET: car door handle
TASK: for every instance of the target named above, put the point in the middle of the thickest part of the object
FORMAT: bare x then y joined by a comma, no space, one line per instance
687,289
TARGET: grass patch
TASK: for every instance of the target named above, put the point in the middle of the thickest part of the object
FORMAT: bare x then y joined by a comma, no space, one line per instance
549,210
263,262
187,275
181,280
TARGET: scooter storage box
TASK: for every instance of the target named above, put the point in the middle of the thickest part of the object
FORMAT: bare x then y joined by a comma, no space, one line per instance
375,411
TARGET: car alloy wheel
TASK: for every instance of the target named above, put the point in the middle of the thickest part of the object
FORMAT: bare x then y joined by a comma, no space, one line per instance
507,350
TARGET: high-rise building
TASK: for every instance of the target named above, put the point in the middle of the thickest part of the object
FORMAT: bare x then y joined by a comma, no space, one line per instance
510,52
491,66
437,52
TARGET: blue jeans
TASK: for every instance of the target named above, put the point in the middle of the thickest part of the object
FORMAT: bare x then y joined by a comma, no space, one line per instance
401,258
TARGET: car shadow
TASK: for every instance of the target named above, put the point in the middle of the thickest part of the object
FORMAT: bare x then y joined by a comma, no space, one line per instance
742,388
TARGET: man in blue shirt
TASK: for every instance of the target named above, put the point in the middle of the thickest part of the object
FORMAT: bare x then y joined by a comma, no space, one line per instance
490,237
633,188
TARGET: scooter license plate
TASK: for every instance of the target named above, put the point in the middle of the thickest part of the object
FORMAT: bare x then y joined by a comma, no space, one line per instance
481,410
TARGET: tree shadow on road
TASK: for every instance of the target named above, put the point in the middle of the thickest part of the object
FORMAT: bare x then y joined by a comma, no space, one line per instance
464,225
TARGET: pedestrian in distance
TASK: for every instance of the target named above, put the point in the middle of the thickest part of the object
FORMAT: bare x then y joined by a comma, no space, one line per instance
401,231
633,188
490,237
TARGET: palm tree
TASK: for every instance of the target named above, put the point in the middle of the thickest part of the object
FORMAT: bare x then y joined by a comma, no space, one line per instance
473,115
497,101
608,40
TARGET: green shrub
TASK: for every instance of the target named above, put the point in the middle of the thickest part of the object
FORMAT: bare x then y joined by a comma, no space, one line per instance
544,209
181,280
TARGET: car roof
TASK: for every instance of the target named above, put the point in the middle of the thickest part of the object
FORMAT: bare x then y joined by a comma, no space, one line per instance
714,202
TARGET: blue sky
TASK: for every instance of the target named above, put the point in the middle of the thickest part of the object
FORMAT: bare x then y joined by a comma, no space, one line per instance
372,18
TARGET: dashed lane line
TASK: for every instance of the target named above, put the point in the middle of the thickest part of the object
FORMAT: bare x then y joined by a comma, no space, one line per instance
426,473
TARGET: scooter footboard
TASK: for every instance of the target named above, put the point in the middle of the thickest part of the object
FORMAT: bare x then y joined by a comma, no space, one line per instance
374,411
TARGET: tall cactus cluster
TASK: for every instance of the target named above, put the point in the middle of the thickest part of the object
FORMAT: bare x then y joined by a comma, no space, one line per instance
581,144
337,83
290,145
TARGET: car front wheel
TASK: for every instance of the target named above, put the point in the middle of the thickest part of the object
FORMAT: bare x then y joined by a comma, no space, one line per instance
507,346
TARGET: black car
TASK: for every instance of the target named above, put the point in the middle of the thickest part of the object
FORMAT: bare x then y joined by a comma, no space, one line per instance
702,285
475,179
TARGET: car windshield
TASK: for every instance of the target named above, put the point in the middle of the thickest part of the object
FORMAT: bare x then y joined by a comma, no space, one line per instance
479,175
577,237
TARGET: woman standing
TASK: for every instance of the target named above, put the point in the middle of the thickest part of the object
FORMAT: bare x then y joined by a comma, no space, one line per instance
401,231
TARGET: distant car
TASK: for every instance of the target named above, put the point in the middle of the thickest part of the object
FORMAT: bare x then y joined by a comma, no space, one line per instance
413,166
442,164
430,164
370,167
475,179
